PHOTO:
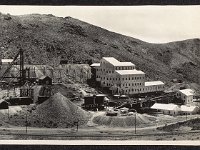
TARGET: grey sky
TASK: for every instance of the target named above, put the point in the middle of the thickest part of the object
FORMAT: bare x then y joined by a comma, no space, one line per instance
154,24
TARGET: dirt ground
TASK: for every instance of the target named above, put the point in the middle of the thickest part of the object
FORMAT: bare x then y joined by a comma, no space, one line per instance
92,131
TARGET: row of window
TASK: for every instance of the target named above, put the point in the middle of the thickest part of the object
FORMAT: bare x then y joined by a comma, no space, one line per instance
115,79
121,67
134,90
133,84
124,68
104,70
152,88
139,90
117,68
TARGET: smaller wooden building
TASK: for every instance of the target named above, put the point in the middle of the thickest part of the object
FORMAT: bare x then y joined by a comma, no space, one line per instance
45,80
3,104
167,109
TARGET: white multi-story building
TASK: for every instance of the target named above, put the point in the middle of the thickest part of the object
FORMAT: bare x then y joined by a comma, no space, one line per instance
123,78
186,95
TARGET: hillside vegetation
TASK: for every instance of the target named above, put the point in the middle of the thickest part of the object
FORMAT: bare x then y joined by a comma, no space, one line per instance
47,39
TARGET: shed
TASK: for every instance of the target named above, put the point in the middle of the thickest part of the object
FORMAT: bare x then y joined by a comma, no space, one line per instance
3,104
99,98
189,109
167,109
20,101
45,80
6,61
89,100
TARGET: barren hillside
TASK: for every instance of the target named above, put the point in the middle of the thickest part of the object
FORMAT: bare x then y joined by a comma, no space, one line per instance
46,39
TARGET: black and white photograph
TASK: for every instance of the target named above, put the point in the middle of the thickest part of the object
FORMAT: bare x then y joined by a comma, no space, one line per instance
100,73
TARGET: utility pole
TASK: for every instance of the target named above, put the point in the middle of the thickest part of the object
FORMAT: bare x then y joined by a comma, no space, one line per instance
186,116
14,92
8,114
135,119
22,72
26,119
135,122
77,120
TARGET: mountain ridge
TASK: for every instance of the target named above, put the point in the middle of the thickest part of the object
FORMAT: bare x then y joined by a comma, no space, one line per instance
47,39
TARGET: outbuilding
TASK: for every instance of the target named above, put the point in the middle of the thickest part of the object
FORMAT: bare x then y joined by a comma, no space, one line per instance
167,109
3,104
6,61
189,110
45,80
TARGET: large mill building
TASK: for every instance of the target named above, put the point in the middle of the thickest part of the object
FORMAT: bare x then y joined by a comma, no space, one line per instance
123,78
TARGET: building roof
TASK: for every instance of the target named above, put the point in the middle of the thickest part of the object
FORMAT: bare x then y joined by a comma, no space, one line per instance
125,64
160,106
151,83
6,60
128,72
187,92
3,101
115,62
95,65
101,95
186,108
106,99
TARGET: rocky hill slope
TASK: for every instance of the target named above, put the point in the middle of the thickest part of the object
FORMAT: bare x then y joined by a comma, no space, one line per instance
46,39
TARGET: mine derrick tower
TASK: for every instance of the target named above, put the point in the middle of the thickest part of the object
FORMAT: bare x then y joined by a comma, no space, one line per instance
22,74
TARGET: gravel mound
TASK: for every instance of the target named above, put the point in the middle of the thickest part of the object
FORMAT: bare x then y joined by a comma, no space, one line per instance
124,121
58,111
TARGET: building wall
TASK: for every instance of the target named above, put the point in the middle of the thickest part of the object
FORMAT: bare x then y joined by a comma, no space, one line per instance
132,84
185,98
154,88
170,112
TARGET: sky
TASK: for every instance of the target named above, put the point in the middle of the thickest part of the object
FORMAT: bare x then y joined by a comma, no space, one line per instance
154,24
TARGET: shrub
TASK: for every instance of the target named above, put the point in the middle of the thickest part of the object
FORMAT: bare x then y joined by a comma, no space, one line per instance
7,17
